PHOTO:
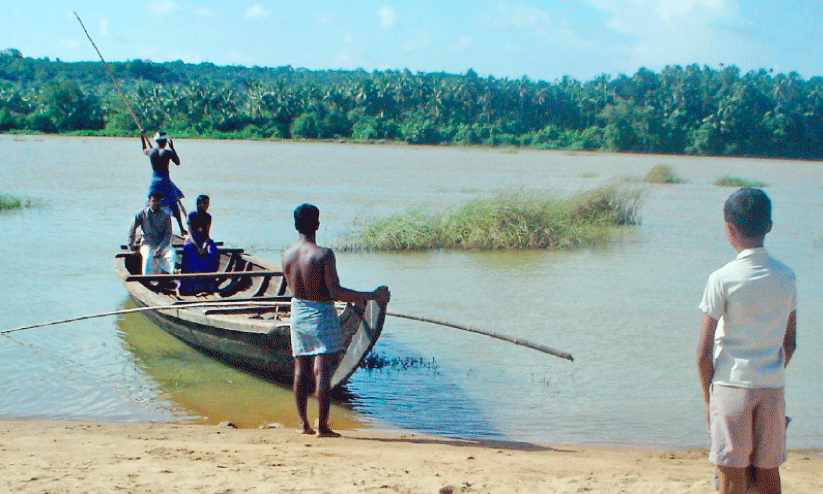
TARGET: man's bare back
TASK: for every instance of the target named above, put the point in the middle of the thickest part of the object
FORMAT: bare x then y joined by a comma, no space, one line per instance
305,266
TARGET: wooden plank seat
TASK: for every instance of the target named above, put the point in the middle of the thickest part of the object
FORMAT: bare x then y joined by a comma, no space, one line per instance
220,250
196,276
273,306
227,301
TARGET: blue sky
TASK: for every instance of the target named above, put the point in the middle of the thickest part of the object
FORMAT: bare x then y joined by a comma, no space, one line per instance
539,39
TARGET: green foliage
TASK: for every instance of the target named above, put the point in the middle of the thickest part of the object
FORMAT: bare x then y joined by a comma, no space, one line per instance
306,126
508,221
730,181
8,202
693,109
662,174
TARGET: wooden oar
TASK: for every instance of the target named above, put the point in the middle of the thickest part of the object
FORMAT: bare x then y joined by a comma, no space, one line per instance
516,341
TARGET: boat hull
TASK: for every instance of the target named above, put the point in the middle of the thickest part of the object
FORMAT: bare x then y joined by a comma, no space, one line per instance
246,322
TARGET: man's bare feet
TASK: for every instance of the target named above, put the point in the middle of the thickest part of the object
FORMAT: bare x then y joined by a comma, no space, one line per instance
327,433
305,429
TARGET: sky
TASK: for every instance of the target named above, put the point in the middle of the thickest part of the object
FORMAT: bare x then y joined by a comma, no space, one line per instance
542,40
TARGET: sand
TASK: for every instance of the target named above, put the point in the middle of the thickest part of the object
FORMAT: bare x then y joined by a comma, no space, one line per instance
72,457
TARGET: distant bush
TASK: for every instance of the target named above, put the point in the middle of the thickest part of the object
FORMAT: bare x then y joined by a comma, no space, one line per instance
729,181
662,174
10,202
508,221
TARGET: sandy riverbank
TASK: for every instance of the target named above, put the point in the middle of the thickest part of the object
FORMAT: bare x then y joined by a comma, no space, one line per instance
70,457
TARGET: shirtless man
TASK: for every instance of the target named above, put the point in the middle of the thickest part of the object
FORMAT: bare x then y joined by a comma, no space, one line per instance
311,273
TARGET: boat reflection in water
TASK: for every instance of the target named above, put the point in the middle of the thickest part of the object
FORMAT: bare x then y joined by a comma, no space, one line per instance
206,391
396,390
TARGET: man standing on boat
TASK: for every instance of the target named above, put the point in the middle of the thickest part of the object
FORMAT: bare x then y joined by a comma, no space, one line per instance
311,273
160,180
155,247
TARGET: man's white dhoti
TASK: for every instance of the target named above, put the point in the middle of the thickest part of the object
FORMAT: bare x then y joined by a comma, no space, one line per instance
157,265
315,328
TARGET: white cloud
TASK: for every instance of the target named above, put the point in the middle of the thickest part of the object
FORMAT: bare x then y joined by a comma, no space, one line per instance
510,15
257,12
205,12
71,44
462,43
531,20
162,7
666,32
418,43
325,18
104,26
388,17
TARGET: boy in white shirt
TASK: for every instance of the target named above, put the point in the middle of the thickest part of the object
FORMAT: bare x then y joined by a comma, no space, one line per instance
747,338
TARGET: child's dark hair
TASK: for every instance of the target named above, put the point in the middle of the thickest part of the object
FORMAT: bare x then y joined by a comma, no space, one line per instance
306,219
750,210
202,199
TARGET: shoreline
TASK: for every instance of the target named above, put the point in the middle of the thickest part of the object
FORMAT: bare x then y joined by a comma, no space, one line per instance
88,456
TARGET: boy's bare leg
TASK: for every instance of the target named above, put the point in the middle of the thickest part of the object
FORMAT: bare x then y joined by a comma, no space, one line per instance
732,480
302,370
767,481
322,378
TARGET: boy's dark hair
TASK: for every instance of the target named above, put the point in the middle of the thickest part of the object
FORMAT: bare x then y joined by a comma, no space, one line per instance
201,199
306,219
156,195
750,210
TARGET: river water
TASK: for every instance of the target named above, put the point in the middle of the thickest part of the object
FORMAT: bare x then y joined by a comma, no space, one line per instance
626,311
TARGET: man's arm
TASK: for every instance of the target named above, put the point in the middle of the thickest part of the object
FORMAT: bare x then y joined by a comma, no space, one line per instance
790,339
337,292
705,357
133,231
174,156
145,142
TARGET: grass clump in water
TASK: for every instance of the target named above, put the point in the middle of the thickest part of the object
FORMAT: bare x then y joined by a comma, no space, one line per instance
729,181
508,221
662,174
8,202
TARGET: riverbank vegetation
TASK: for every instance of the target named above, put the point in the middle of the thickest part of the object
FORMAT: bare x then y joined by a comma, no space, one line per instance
508,221
691,109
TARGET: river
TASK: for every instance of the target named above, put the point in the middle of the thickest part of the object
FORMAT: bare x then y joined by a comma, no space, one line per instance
626,311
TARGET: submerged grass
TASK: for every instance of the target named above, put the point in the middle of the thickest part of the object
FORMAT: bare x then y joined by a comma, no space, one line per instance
662,174
730,181
508,221
8,202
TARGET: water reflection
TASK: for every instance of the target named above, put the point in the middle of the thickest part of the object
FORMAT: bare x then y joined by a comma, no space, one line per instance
202,389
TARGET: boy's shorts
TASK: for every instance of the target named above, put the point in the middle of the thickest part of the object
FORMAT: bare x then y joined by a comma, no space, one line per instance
748,427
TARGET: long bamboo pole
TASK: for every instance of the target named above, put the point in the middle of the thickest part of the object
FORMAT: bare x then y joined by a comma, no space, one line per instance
516,341
265,304
133,310
111,74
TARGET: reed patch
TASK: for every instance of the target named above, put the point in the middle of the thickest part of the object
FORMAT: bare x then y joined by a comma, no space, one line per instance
508,221
8,202
730,181
662,174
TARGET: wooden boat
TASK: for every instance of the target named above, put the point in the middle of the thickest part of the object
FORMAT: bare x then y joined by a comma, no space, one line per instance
246,320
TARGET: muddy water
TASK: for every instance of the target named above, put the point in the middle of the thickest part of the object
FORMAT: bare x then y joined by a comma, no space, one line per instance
627,311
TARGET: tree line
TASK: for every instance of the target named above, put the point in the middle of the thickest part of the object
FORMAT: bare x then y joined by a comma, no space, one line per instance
681,110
